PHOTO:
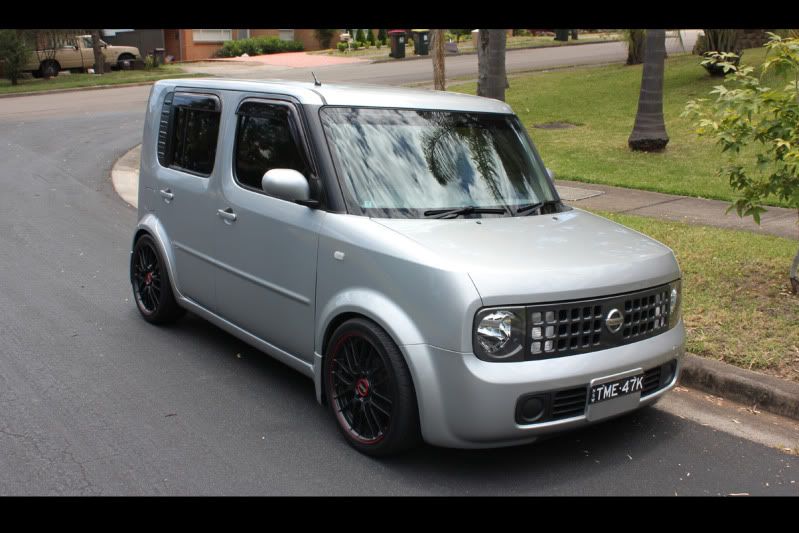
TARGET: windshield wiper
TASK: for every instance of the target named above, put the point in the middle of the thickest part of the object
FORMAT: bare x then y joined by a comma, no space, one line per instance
536,207
468,210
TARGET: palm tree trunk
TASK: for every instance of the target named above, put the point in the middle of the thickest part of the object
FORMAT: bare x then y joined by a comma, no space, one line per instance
439,76
649,132
99,59
491,79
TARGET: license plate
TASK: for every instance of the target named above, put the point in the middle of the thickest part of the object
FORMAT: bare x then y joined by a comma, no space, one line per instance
614,389
613,395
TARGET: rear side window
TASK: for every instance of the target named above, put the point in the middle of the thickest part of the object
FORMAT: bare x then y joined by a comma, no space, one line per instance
189,132
266,138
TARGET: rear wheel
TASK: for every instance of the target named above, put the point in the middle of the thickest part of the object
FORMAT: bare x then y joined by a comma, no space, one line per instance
49,68
369,390
151,287
122,58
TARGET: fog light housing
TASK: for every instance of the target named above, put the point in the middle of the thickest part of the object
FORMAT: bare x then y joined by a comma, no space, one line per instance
531,408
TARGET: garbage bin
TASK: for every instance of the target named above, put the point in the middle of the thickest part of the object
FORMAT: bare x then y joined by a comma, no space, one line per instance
421,42
158,56
397,43
561,35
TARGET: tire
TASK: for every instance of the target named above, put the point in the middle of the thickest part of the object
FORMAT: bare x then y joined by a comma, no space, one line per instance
149,279
369,390
122,58
49,68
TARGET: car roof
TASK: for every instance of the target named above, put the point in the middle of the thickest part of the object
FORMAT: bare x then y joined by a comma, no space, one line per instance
361,95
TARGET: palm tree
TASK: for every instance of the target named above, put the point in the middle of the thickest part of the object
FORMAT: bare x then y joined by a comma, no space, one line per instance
649,132
491,77
437,44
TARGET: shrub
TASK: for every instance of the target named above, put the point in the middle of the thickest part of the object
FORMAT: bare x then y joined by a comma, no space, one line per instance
150,62
360,37
370,37
325,37
257,46
757,125
342,47
14,54
382,35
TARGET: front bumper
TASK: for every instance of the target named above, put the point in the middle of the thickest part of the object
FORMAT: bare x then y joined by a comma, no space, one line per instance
468,403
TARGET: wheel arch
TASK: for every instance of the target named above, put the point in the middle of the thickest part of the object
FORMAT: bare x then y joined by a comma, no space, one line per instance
361,303
151,226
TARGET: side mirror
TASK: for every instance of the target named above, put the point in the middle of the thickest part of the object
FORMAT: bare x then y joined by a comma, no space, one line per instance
550,173
286,184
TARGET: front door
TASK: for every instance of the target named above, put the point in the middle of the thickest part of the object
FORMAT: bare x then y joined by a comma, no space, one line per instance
267,247
186,176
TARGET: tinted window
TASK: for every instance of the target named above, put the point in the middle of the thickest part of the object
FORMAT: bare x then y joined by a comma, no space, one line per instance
266,138
195,129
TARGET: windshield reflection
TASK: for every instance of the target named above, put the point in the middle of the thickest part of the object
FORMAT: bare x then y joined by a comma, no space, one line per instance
400,162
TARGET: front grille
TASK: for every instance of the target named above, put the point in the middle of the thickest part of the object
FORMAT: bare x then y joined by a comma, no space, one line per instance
569,328
568,403
651,381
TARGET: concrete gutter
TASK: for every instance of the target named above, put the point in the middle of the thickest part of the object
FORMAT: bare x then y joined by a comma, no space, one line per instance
767,393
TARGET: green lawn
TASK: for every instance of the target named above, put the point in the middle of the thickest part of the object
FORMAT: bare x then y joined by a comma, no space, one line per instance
603,102
71,81
737,302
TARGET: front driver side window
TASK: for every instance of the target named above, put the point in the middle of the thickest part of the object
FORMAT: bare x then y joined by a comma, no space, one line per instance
266,138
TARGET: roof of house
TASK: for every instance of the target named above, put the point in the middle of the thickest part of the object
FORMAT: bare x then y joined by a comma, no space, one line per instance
361,95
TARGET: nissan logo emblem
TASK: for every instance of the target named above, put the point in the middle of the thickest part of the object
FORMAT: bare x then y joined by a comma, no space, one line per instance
614,321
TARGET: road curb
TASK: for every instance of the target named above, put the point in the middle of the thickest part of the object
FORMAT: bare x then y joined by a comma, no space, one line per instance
76,89
769,393
125,176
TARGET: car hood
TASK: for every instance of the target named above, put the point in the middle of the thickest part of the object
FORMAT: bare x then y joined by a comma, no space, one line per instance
529,259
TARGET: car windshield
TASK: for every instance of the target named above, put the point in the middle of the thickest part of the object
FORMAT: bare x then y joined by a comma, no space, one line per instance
412,163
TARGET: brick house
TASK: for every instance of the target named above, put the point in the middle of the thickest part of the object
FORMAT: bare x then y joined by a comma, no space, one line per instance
192,45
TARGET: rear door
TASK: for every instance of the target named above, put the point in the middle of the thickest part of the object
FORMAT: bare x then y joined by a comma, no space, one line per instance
187,147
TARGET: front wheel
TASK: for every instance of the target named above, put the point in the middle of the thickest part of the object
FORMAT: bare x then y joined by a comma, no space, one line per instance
49,68
369,389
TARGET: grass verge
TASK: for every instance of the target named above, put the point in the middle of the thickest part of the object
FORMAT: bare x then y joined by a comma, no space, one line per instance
72,81
600,104
737,302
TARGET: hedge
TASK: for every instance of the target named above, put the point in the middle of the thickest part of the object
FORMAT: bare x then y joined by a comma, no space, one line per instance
257,46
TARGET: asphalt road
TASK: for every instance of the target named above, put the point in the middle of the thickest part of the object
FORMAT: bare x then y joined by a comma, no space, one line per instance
421,70
93,400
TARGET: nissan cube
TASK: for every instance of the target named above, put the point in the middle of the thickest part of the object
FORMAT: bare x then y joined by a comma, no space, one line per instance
405,249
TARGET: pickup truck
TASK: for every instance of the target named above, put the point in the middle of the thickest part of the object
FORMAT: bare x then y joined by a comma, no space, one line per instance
77,54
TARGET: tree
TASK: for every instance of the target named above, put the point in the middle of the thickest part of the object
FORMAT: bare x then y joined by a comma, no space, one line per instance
370,37
382,36
99,58
634,40
325,37
14,53
763,120
437,45
492,79
360,37
649,132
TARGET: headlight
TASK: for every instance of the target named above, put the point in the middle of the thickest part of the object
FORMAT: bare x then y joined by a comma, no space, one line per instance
675,303
499,334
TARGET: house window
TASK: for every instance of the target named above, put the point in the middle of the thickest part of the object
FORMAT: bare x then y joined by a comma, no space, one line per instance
286,35
211,36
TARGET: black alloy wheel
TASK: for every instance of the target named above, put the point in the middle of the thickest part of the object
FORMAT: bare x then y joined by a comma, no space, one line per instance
151,287
369,389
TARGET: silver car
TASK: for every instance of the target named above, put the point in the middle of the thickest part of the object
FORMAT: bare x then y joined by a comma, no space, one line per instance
405,249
